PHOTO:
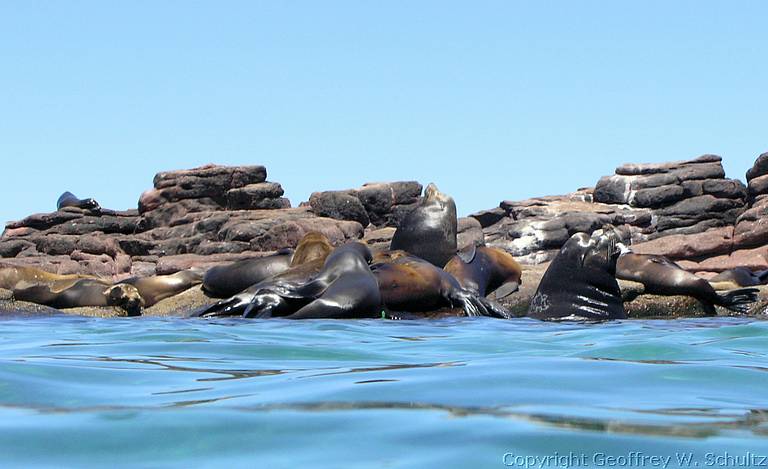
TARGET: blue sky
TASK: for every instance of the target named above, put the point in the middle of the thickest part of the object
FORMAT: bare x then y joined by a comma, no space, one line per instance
489,100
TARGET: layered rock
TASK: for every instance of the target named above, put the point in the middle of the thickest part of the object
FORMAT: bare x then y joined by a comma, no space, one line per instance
647,201
209,188
381,203
685,196
534,230
215,214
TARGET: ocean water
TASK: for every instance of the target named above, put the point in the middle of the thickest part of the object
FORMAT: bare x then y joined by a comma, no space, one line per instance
465,392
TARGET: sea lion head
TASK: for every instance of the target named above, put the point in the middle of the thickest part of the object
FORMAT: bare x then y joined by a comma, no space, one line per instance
126,297
433,195
313,245
604,249
90,204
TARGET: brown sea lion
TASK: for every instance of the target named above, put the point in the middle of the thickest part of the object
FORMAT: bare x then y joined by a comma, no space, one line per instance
159,287
228,280
661,276
738,278
68,199
83,292
580,283
429,231
343,288
410,284
487,270
312,246
17,276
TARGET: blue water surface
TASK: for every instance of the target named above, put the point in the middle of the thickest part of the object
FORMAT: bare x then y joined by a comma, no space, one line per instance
467,392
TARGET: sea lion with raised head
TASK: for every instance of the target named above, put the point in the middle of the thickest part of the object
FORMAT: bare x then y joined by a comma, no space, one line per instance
343,288
68,199
486,270
661,276
159,287
738,277
429,230
227,280
580,283
83,292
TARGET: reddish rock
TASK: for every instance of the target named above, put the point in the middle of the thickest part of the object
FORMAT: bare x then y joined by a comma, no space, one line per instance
758,186
754,259
760,168
711,242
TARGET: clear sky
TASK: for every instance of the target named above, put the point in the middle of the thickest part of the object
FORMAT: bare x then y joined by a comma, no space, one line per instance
489,100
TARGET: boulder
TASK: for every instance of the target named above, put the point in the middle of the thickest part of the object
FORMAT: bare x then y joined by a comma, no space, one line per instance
340,205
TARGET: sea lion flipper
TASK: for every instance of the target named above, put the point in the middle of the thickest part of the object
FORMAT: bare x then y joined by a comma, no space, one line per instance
468,253
474,305
739,300
230,307
506,289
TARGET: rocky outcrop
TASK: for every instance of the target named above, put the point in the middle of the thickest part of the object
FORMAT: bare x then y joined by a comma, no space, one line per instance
533,230
685,196
209,188
215,213
381,203
646,201
687,211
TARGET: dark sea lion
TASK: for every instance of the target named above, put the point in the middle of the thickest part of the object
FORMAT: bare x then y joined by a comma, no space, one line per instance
159,287
223,281
580,283
228,280
410,284
18,276
68,199
343,288
661,276
487,270
738,278
83,292
429,231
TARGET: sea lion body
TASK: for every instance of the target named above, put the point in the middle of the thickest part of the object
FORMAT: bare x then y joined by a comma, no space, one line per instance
83,292
410,284
68,199
661,276
12,277
429,231
159,287
488,270
739,277
228,280
341,286
580,282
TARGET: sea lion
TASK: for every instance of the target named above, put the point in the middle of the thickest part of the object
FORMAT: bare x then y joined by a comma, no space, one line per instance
738,278
661,276
18,276
83,292
487,270
68,199
343,288
429,231
312,246
159,287
580,283
410,284
223,281
228,280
